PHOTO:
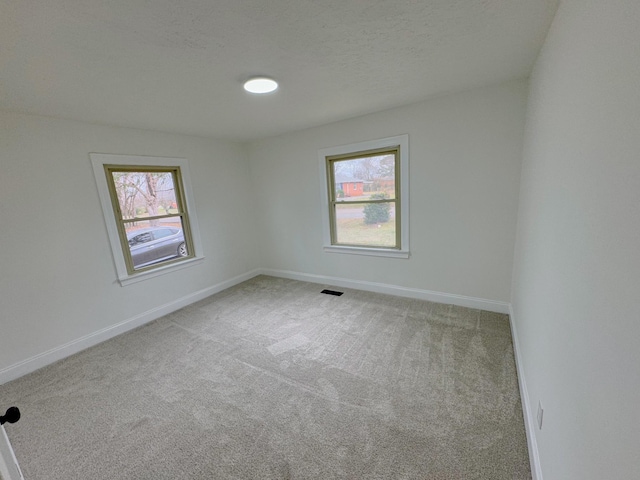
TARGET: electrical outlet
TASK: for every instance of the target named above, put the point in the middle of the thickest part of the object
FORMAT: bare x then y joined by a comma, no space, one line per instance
540,414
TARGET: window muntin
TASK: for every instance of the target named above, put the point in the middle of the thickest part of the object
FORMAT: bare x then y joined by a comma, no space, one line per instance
150,213
368,216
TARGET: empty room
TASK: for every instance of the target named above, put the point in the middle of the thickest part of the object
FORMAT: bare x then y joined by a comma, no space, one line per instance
320,239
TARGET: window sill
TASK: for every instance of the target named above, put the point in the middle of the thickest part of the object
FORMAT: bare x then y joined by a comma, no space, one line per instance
374,252
156,272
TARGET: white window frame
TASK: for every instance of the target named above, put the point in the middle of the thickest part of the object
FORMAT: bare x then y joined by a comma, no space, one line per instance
400,141
98,161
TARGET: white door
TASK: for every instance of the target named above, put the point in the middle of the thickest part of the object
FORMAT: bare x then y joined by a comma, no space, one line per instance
9,469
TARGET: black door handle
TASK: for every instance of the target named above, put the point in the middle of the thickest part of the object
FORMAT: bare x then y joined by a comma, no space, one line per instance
12,416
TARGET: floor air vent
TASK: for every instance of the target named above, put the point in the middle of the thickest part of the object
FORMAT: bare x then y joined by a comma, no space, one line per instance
332,292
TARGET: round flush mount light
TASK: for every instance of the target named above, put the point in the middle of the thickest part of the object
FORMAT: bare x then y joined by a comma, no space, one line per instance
260,85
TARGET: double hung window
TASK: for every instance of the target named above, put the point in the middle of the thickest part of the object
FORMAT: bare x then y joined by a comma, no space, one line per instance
149,215
366,197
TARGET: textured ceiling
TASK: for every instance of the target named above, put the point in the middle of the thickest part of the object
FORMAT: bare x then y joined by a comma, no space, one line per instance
178,66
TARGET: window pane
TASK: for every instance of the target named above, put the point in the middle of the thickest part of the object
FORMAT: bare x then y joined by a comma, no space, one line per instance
370,224
145,194
365,178
155,241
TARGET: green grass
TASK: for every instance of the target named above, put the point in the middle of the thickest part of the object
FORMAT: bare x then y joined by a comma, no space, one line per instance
353,231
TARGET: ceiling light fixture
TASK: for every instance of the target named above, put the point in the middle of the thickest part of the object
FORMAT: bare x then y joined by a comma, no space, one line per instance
260,85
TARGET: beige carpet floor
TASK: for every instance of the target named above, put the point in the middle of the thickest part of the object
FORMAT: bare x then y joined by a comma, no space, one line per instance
273,380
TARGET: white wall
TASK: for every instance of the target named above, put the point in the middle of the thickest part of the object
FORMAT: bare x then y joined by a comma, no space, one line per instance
465,155
57,280
576,293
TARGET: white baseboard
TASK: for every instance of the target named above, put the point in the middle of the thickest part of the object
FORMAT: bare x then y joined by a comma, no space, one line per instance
431,296
529,423
58,353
